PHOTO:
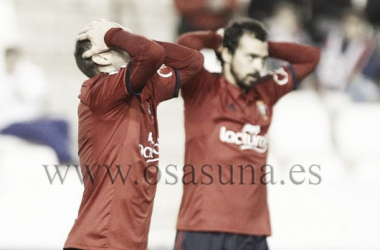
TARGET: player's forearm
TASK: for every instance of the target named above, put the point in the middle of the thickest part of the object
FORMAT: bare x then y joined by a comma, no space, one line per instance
135,45
189,62
146,56
303,58
201,39
188,7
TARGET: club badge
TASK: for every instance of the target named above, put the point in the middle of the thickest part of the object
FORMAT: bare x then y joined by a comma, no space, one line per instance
262,109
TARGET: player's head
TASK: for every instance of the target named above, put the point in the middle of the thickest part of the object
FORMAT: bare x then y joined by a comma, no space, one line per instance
244,50
108,61
13,56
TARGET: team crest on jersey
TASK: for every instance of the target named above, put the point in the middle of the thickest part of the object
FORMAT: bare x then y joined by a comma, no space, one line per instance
152,151
164,71
248,138
262,109
280,76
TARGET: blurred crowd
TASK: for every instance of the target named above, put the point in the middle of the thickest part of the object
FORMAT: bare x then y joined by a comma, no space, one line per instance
346,31
24,96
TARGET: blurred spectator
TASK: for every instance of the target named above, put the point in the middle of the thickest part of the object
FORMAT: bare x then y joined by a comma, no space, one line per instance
348,61
286,24
323,15
261,10
329,9
206,14
9,27
23,89
313,15
373,11
23,98
264,9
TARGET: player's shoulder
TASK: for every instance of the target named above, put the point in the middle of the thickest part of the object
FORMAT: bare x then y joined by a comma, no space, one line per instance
162,75
165,75
89,83
165,71
86,87
207,78
280,76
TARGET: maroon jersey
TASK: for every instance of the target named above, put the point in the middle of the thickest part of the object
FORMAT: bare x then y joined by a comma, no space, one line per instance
226,142
119,142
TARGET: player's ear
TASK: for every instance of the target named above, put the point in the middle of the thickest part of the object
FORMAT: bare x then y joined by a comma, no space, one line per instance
102,59
226,55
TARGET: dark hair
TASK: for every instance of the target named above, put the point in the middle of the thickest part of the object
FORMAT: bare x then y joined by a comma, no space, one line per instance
237,28
86,65
12,51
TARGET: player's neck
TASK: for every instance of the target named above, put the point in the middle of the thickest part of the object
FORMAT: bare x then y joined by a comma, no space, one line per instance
107,69
228,74
231,79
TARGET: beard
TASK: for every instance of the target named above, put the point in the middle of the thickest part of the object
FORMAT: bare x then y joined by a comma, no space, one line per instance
247,81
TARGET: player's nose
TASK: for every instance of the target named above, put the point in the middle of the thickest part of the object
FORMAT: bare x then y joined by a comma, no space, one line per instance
257,65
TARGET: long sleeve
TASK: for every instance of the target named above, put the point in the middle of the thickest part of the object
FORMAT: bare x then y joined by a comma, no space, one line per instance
201,39
188,62
303,58
146,56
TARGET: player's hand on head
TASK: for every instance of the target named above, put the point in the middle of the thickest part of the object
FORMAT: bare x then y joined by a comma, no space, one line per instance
95,32
220,32
117,25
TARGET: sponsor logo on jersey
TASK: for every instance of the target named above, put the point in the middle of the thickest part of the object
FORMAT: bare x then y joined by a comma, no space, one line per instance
262,109
280,76
152,151
247,139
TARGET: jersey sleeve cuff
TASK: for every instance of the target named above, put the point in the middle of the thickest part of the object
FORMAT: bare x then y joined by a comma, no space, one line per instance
177,83
294,77
128,84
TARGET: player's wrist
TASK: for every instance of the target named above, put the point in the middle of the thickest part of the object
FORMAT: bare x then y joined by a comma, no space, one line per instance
109,36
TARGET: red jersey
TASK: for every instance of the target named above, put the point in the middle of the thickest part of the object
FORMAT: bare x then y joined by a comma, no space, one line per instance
119,142
226,142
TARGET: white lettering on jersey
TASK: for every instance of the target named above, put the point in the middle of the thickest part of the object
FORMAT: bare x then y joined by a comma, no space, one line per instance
151,152
163,74
247,139
262,109
280,76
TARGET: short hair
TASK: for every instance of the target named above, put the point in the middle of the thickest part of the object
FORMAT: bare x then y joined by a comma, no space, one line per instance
237,28
86,65
12,51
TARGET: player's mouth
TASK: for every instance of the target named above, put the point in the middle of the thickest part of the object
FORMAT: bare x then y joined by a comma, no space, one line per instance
252,78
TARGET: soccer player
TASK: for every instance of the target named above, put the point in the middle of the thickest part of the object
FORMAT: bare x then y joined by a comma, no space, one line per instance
227,117
118,133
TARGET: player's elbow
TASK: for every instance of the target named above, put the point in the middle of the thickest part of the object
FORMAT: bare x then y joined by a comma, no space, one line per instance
198,61
157,55
193,66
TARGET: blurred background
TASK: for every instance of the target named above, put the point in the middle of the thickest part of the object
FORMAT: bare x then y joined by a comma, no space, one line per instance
332,121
